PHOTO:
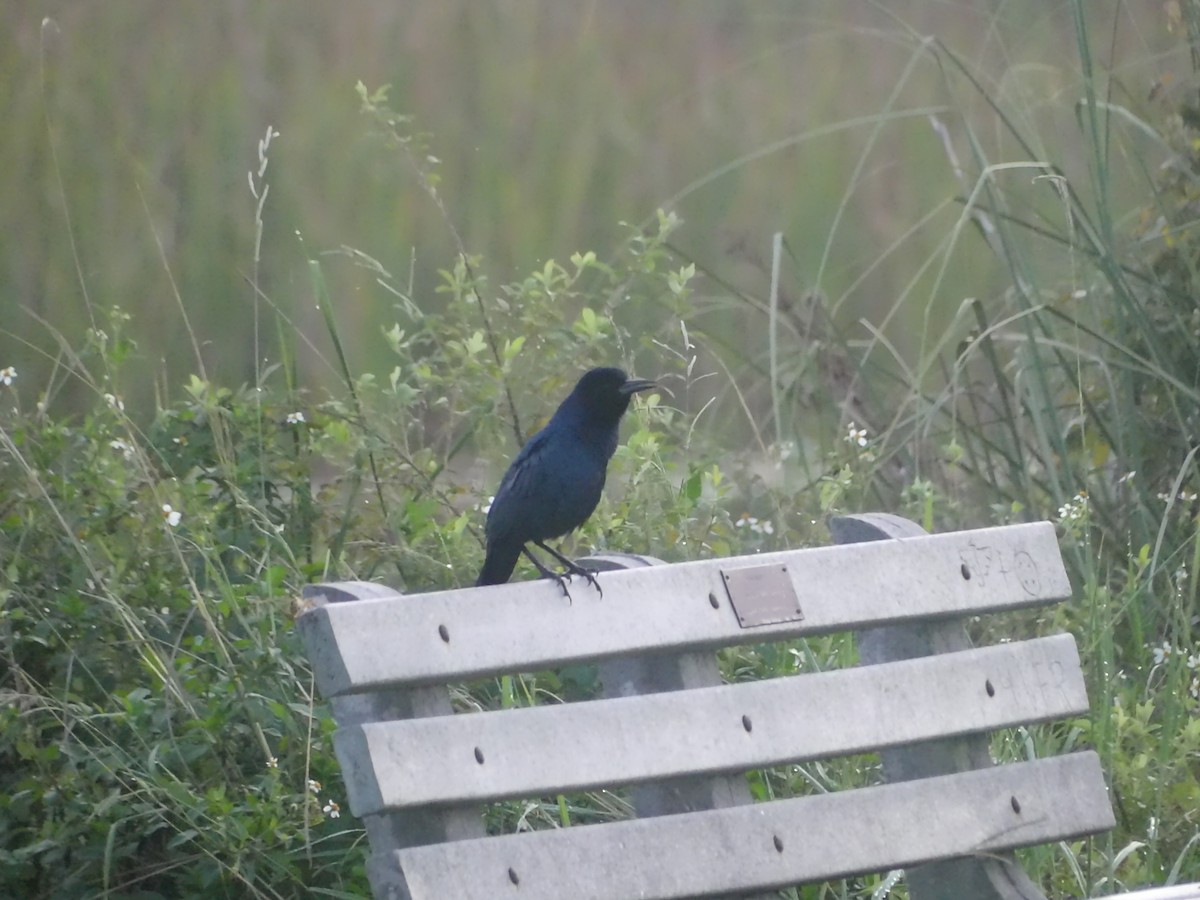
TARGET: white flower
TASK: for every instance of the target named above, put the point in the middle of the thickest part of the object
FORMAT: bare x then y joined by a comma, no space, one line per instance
1185,495
487,507
115,402
124,448
856,436
8,375
172,516
314,785
295,418
1162,654
272,762
752,522
1074,509
331,809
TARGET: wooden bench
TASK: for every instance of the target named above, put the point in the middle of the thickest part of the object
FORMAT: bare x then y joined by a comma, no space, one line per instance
419,774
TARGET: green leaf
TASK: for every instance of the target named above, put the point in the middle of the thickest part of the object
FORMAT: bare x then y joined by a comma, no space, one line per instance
512,348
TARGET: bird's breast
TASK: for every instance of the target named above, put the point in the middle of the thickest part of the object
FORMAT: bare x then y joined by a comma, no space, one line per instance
569,491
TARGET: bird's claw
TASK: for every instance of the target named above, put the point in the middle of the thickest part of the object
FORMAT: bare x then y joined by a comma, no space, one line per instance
570,569
589,574
591,578
562,581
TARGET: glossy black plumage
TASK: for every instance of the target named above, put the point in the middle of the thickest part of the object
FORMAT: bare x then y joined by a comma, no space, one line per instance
554,484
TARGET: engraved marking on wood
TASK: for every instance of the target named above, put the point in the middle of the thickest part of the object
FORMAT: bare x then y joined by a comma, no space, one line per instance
1040,681
1012,566
1027,572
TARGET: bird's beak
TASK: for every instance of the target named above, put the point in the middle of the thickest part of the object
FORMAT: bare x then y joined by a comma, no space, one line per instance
633,385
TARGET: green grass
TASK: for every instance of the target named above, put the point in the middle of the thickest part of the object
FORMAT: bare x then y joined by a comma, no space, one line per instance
989,270
551,125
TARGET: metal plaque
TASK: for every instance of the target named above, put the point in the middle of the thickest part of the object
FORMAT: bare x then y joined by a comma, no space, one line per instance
762,595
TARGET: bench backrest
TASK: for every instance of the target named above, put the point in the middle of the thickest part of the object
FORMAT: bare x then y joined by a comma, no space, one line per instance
420,774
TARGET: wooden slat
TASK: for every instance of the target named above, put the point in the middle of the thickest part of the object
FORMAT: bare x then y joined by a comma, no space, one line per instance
769,845
474,632
731,728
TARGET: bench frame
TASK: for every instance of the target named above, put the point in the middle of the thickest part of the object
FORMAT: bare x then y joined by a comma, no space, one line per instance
385,665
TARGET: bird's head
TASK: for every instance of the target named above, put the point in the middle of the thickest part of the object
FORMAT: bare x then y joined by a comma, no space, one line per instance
605,393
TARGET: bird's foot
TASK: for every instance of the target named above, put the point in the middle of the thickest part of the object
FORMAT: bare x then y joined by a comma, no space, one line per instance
561,579
571,567
589,574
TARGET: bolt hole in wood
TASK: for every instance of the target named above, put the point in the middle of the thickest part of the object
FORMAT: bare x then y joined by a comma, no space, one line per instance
479,756
713,601
1015,804
444,632
966,573
778,844
991,691
747,724
513,876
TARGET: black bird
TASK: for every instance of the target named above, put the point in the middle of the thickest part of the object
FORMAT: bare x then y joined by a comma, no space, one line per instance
554,483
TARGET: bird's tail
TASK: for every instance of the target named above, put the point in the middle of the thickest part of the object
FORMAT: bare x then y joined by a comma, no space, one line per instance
498,565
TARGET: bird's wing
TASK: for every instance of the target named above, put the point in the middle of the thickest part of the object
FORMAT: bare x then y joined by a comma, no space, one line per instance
526,460
516,481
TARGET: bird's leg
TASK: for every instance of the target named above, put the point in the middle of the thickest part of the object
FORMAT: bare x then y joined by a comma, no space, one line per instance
572,567
546,572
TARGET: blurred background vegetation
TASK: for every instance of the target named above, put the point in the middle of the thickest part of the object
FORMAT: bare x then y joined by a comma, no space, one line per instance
265,322
131,128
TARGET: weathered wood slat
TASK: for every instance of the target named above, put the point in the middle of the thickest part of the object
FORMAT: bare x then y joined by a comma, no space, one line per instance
774,844
462,634
477,757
